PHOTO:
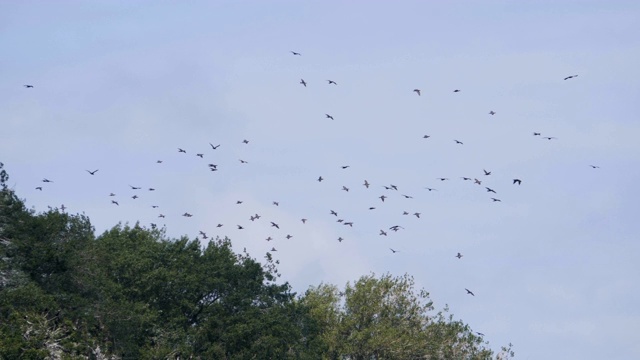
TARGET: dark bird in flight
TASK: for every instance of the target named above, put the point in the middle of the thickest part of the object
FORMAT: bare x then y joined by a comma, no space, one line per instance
275,225
517,181
382,197
134,197
252,218
417,91
459,142
345,166
288,236
214,147
345,188
200,156
570,77
39,188
465,178
549,137
442,179
595,166
28,86
476,181
366,184
431,189
492,112
536,134
134,188
486,172
112,194
469,292
115,202
407,196
296,53
159,162
494,200
238,202
396,227
456,90
46,180
161,216
303,82
340,239
382,232
256,216
329,116
490,190
182,151
273,249
245,141
393,187
92,172
334,213
340,220
187,215
304,221
239,227
320,178
63,208
243,161
219,225
372,208
154,206
394,251
332,82
276,203
386,187
269,238
350,223
459,256
417,215
426,136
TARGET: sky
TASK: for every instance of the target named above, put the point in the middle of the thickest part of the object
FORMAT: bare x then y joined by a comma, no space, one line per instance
119,85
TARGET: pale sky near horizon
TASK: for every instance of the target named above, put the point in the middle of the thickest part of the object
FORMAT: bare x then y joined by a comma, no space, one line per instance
119,85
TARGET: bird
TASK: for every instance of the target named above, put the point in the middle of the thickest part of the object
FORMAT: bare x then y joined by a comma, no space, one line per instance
536,134
345,188
394,251
479,333
393,187
366,184
382,197
239,227
92,172
256,216
187,215
275,225
495,200
200,156
549,137
161,216
340,220
154,206
350,223
115,202
159,162
486,172
238,202
490,190
459,256
303,82
243,161
465,178
340,239
134,197
276,203
518,181
456,90
219,225
345,166
269,238
396,227
407,196
334,213
595,166
28,86
62,207
296,53
442,179
134,187
46,180
469,292
382,232
417,215
112,194
329,116
570,77
431,189
289,236
458,142
273,249
39,188
214,147
245,141
417,91
426,136
492,112
153,226
182,150
476,181
252,218
332,82
304,221
320,179
372,208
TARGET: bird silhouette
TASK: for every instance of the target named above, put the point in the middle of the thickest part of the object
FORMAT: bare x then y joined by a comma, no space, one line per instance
334,213
329,116
296,53
442,179
382,197
490,190
239,202
396,227
492,112
187,215
182,150
459,142
518,181
276,203
39,188
161,216
417,215
269,238
345,166
46,180
288,236
134,187
469,292
459,256
320,179
476,181
134,197
407,196
201,156
92,172
456,90
159,162
382,232
214,147
366,184
550,138
496,200
240,227
112,194
304,221
486,172
245,141
219,225
275,225
394,251
536,134
243,161
570,77
340,239
28,86
417,91
332,82
115,202
426,136
466,178
345,188
595,166
303,82
431,189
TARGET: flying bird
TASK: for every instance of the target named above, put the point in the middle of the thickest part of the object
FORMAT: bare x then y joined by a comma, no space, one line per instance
465,178
456,90
345,188
345,166
492,112
329,116
536,134
382,197
426,136
245,141
486,172
517,181
303,82
340,239
269,238
332,82
239,202
275,225
115,202
476,181
201,156
187,215
382,232
159,162
442,179
39,188
92,172
431,189
490,190
320,179
296,53
549,137
134,197
570,77
214,147
276,203
28,86
595,166
219,225
63,208
134,188
469,292
459,256
394,251
161,216
46,180
396,227
459,142
417,215
239,227
393,187
304,221
417,91
243,161
366,184
350,223
112,194
407,196
182,151
288,236
495,200
334,213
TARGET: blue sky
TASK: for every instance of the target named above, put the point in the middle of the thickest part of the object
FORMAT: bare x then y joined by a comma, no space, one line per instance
119,85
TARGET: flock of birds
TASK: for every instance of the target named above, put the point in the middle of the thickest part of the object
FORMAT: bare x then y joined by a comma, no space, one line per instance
389,188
